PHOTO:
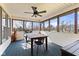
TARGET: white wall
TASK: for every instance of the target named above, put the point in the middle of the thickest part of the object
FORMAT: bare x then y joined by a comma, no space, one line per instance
4,46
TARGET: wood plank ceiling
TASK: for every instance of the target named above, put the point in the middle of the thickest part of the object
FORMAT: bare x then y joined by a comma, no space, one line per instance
16,10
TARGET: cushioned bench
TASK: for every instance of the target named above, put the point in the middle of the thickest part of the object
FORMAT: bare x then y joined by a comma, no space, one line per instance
71,49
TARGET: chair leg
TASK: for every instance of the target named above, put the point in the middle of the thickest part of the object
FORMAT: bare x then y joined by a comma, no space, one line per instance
43,49
40,47
37,50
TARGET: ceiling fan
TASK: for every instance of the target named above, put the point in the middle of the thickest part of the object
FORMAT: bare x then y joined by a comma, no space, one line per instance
36,12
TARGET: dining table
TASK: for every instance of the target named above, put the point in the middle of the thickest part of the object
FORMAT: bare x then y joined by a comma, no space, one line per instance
35,36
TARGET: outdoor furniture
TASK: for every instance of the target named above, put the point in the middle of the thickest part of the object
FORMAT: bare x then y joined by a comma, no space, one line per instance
71,49
13,35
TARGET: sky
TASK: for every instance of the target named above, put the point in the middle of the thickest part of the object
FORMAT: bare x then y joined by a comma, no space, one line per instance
68,19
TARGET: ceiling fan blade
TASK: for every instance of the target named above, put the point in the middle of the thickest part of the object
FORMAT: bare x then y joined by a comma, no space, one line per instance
42,11
34,8
32,15
28,12
39,15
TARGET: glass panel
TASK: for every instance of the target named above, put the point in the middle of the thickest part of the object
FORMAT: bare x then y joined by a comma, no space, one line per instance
46,25
42,26
78,21
67,23
28,25
53,24
9,27
3,27
36,26
9,22
0,33
18,25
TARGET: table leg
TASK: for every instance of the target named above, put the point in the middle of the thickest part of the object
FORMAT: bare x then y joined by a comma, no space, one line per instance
31,47
46,44
26,39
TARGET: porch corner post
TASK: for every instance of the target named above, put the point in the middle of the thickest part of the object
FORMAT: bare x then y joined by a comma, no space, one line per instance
0,25
75,22
49,25
58,24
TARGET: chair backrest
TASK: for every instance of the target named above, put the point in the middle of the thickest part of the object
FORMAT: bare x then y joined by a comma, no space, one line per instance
40,40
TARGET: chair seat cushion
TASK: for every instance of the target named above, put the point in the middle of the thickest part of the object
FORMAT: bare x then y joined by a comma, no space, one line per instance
38,42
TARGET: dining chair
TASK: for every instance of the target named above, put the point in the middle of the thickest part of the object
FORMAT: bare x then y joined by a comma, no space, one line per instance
39,42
